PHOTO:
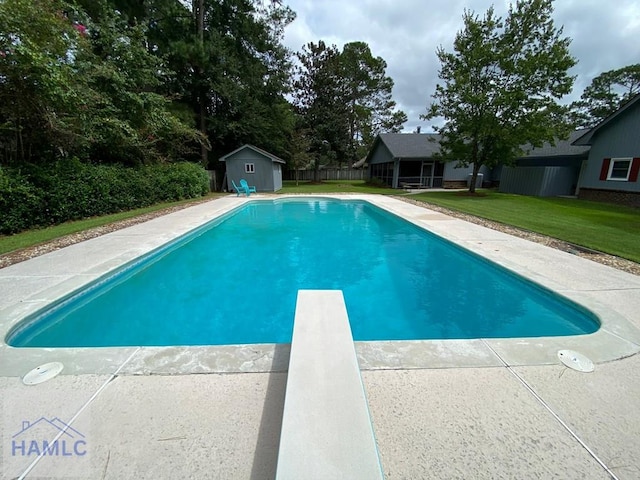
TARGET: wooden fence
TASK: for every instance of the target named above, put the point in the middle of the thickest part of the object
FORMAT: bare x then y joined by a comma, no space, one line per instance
327,174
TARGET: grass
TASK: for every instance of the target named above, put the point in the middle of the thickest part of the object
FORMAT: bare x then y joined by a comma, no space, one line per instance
30,238
335,186
604,227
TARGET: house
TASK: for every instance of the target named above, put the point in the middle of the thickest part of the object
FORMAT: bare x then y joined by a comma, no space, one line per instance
408,160
610,173
546,171
256,166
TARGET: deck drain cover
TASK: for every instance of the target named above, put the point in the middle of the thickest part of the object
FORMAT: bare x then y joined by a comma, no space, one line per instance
575,360
42,373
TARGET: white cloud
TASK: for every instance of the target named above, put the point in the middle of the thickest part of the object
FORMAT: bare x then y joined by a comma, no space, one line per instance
406,34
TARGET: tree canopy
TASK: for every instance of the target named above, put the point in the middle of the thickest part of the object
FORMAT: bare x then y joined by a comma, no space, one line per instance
607,93
344,100
500,87
114,81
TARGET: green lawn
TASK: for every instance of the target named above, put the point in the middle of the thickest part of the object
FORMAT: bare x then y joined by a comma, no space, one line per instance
29,238
605,227
335,186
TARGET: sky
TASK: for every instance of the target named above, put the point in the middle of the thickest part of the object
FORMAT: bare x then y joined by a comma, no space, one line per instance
605,36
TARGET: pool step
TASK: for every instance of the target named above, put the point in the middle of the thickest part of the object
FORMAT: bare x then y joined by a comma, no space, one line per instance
326,427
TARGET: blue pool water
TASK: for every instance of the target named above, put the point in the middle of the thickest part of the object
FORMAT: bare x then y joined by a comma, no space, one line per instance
236,281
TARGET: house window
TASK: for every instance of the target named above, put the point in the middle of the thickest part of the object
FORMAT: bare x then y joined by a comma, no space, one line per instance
619,169
249,168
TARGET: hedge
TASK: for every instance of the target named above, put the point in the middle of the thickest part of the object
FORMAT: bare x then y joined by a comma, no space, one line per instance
40,196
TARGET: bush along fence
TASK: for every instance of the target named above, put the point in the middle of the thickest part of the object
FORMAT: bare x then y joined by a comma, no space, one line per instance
44,195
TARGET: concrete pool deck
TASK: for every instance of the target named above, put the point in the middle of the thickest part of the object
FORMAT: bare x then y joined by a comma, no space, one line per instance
488,408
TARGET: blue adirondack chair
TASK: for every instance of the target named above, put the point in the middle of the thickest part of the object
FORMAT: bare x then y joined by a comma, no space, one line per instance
247,188
239,189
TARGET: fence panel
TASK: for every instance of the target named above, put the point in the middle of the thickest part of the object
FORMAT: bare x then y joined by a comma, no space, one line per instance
327,174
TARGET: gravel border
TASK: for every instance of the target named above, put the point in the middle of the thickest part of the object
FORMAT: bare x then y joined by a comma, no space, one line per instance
610,260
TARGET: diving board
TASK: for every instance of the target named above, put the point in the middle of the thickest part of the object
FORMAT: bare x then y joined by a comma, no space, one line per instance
326,427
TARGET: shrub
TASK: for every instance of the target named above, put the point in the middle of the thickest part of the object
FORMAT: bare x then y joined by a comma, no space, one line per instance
69,190
18,199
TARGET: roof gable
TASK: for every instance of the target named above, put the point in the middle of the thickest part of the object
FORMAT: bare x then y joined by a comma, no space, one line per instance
586,139
271,157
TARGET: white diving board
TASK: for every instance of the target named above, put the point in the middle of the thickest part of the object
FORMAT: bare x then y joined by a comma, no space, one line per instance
326,427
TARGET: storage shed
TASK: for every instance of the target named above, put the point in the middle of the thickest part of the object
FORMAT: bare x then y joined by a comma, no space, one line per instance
546,171
256,166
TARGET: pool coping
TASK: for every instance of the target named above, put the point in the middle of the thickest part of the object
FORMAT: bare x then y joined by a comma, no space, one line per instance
41,280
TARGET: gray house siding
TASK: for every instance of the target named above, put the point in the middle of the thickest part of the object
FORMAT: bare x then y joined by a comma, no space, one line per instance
258,168
619,139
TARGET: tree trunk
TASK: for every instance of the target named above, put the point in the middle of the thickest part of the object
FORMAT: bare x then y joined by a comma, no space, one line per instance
204,153
476,165
474,177
198,11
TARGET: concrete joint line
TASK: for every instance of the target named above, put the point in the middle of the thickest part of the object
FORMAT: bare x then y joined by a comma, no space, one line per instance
624,340
554,414
113,376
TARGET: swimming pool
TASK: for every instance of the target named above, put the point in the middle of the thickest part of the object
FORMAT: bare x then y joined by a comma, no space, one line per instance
235,280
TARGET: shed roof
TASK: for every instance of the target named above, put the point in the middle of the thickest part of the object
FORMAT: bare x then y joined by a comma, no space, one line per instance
585,139
272,157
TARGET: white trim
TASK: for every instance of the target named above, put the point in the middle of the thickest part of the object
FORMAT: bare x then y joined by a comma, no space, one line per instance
249,168
612,163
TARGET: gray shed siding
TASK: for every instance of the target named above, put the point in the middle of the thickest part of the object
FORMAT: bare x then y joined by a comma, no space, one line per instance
277,176
264,176
539,181
619,139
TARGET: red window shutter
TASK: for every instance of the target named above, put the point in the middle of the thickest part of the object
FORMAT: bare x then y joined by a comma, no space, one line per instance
635,168
604,171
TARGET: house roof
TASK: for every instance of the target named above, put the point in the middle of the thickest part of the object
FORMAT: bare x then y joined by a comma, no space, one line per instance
562,148
411,145
272,157
426,145
586,138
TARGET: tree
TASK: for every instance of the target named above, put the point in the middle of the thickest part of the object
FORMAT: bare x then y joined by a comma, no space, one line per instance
606,94
344,99
501,86
126,116
322,103
300,152
37,80
77,82
233,72
368,89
